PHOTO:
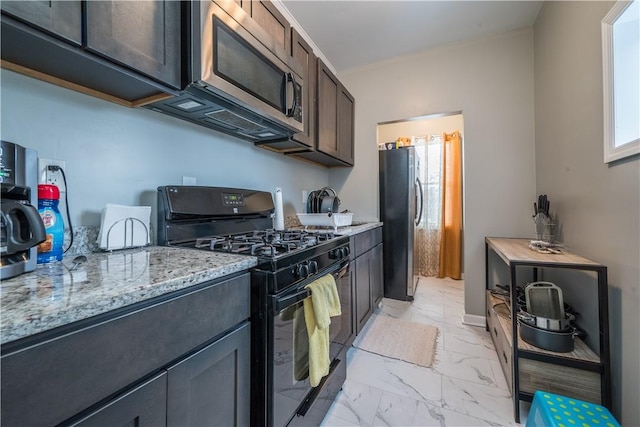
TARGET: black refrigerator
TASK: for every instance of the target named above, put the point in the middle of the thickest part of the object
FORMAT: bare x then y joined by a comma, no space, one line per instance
401,206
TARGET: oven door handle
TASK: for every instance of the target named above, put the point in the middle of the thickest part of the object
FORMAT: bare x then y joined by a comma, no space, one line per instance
282,303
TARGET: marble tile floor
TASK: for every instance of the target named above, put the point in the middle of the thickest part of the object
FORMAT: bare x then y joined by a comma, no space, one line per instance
464,387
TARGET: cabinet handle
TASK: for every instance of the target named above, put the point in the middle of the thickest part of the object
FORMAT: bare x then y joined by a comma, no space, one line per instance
495,331
504,356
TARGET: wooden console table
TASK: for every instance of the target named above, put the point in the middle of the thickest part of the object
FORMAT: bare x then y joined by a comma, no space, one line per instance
581,374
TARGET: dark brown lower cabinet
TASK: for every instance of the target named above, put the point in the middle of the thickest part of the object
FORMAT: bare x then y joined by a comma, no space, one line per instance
363,290
181,357
211,387
143,406
377,272
208,388
368,281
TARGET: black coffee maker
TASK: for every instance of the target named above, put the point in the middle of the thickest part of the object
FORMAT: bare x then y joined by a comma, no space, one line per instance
22,228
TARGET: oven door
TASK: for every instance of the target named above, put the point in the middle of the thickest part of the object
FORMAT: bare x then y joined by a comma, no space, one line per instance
292,392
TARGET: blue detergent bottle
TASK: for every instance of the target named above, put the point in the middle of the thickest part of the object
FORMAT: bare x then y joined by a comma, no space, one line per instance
52,248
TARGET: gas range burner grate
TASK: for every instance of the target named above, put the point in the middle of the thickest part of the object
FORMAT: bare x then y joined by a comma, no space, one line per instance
266,243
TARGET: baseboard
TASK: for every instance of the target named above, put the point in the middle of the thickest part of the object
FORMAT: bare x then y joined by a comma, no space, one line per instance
473,320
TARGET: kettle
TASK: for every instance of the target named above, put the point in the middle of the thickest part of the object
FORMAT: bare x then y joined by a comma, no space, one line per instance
22,227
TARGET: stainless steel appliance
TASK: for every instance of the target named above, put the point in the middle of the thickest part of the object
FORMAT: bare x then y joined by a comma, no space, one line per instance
237,85
401,202
21,226
239,221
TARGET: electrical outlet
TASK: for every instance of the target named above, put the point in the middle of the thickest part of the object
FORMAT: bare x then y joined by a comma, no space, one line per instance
305,196
45,176
189,180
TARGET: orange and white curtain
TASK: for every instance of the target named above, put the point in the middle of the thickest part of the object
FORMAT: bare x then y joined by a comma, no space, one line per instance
451,221
439,236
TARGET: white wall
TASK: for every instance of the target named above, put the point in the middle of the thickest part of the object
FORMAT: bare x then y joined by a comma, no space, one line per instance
491,82
115,154
598,205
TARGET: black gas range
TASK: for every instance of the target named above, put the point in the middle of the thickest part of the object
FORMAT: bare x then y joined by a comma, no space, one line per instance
240,221
287,256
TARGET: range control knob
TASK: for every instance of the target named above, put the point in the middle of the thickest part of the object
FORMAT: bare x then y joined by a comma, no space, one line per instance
345,252
302,271
339,253
313,267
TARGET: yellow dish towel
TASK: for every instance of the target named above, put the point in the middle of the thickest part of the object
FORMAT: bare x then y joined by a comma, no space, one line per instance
323,304
300,344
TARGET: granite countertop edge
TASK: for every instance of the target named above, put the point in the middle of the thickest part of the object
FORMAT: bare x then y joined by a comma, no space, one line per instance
55,296
357,228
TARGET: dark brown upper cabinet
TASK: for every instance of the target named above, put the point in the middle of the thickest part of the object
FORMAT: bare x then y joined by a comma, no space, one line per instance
346,106
127,52
60,18
267,24
142,35
273,22
334,121
303,54
244,4
328,88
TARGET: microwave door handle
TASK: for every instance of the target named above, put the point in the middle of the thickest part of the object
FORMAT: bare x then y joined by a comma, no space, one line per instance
290,78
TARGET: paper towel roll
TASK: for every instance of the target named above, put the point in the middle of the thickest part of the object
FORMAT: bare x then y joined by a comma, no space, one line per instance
279,220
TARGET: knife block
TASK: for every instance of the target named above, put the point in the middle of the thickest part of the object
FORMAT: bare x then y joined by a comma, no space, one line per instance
545,228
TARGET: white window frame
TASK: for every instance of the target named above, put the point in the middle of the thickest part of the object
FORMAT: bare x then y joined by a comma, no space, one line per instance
612,151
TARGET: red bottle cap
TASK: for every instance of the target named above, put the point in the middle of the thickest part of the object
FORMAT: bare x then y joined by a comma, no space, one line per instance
47,191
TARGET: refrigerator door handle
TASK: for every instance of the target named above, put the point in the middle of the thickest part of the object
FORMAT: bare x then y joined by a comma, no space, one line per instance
418,215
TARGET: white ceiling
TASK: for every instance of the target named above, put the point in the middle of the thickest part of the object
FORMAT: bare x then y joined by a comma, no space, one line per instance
358,32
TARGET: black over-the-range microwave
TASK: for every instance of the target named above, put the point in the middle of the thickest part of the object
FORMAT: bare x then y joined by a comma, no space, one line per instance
237,85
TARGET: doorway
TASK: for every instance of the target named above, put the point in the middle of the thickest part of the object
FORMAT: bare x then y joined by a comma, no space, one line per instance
439,238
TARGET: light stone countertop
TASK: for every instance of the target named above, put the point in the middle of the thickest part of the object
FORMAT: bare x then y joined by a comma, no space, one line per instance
356,228
53,295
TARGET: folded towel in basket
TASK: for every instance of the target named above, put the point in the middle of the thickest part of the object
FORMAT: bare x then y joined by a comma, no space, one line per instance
323,304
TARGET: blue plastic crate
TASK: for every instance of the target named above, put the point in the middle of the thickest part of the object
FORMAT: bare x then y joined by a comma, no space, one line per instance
552,410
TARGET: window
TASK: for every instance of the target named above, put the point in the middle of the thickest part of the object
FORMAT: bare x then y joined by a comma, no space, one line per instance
429,153
621,78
